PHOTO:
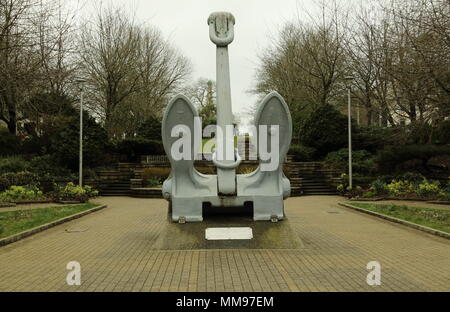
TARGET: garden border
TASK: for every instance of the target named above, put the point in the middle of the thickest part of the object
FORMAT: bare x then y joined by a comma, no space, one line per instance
400,221
16,237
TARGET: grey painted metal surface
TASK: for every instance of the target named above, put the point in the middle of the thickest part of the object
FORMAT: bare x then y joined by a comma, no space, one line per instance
186,189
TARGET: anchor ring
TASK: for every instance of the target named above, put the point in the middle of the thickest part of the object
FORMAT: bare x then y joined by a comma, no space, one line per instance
222,165
217,40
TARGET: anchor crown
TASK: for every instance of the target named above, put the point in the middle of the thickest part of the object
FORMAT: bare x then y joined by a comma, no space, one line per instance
213,17
221,28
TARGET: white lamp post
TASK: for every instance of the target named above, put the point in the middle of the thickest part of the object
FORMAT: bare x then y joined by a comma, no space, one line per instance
349,80
81,84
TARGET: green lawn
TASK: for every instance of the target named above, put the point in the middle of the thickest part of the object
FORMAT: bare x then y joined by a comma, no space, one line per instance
434,218
12,222
208,150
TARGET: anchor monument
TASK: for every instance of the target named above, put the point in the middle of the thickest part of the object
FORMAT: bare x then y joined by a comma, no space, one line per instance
188,190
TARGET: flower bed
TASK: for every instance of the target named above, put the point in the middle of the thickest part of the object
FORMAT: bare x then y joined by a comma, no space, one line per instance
71,193
405,187
16,194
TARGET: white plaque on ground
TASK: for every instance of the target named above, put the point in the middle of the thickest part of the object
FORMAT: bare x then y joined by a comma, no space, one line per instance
234,233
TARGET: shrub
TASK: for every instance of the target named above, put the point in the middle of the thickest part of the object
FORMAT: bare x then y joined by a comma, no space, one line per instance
325,129
400,188
150,129
72,192
356,192
392,157
16,193
362,161
20,178
345,189
64,143
412,177
302,153
445,196
447,188
379,187
47,166
10,144
13,164
419,133
152,182
369,194
427,189
441,134
134,147
371,139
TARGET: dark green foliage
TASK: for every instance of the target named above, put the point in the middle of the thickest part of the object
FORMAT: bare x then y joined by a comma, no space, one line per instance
35,145
10,144
302,153
325,130
52,104
362,161
392,157
209,122
380,184
371,139
45,166
13,164
298,119
208,114
150,129
18,178
441,134
41,171
419,133
135,147
72,192
411,177
65,143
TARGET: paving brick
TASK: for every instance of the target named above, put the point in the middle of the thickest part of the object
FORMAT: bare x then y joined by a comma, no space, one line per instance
118,253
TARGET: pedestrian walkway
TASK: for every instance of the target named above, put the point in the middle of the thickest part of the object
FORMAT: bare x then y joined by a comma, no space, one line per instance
120,249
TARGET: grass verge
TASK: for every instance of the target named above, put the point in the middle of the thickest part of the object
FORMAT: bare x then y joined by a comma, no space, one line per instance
433,218
13,222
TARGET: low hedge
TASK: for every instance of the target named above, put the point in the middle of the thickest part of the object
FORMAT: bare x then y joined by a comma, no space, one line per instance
135,147
302,153
393,157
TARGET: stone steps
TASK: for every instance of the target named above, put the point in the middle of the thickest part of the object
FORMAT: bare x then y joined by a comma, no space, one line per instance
306,178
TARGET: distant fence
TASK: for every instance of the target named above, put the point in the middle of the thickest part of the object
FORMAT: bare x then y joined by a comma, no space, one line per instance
154,158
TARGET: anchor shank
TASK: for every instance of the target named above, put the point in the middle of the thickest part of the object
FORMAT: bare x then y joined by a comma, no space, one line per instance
226,155
221,32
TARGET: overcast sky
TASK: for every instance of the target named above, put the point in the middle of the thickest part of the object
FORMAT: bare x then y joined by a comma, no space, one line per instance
183,22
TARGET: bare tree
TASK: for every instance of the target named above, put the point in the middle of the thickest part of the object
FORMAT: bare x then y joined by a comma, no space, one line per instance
15,60
35,45
399,58
307,62
202,92
130,69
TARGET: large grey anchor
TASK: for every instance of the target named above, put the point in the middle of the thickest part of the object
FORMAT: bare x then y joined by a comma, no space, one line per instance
186,189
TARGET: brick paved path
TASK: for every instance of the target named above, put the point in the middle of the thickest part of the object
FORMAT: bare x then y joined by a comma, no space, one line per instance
114,248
